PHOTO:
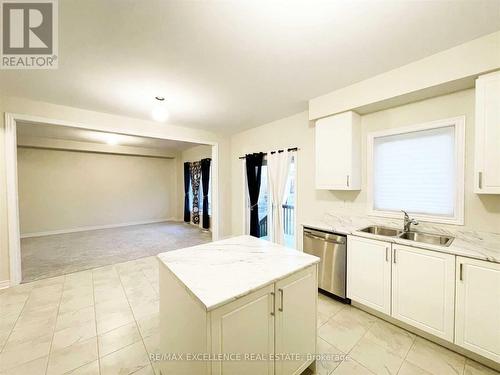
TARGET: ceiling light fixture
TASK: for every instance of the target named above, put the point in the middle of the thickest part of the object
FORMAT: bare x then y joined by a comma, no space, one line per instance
160,111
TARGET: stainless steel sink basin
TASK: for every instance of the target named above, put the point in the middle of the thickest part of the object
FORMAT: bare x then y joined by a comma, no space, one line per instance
381,231
433,239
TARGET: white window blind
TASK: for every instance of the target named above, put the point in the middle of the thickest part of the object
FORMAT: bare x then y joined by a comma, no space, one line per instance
416,172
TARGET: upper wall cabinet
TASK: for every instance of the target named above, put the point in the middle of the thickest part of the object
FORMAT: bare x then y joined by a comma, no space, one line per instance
487,149
338,152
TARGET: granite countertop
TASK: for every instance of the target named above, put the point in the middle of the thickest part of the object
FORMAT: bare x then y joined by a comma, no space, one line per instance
471,244
219,272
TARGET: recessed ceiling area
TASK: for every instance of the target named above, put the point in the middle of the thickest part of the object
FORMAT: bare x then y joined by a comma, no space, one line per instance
227,66
66,133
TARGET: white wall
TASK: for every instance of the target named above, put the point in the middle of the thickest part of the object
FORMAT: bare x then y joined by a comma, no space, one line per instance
481,212
196,153
65,190
438,73
112,123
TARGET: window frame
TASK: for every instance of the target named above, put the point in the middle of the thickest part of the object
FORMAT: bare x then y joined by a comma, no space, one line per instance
459,124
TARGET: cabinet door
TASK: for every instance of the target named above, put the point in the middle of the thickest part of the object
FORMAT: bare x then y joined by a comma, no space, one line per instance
369,273
245,326
296,300
487,133
338,152
478,307
423,289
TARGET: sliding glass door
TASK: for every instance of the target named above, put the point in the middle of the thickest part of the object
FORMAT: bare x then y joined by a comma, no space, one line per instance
287,206
264,207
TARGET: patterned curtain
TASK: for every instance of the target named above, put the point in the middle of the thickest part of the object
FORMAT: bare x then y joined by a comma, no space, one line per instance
195,185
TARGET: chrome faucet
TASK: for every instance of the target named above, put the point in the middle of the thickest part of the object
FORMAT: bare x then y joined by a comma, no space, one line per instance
408,221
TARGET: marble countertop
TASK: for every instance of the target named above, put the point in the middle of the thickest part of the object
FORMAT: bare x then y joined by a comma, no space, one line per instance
471,244
219,272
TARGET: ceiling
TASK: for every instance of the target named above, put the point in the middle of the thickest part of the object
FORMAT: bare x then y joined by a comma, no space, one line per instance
231,65
91,136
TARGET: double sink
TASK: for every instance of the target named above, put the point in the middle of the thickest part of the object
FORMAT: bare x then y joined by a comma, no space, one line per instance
428,238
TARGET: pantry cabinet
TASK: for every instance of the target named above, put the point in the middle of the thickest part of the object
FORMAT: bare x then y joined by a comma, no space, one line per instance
487,134
478,307
423,289
369,273
338,152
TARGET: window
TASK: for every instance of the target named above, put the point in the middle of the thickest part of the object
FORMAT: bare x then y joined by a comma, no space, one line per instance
418,169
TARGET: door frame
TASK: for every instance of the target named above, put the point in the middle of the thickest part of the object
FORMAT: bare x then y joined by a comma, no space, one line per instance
11,119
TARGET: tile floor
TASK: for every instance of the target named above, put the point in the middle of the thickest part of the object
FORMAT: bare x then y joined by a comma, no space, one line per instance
374,346
105,321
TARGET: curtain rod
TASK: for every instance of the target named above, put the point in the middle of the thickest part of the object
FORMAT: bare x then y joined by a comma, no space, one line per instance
279,151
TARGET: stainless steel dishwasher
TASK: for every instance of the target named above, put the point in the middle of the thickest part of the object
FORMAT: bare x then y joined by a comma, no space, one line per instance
332,250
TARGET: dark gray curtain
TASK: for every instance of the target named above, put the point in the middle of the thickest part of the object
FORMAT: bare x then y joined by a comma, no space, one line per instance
205,183
187,178
254,172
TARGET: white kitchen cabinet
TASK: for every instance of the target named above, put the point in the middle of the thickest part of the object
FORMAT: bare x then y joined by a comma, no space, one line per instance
487,134
241,320
369,273
423,289
283,313
245,326
338,152
296,300
477,325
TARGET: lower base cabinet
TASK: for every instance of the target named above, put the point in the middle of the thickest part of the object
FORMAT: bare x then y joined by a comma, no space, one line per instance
423,289
245,326
251,335
274,321
369,273
451,297
477,325
295,332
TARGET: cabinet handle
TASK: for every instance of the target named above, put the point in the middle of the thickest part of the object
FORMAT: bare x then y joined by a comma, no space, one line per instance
461,272
347,180
386,254
281,299
480,180
274,302
394,257
309,235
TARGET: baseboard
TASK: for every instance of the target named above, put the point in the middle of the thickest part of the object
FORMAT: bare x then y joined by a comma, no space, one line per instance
84,229
4,284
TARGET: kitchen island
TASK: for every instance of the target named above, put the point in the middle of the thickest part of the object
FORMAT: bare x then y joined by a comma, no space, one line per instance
237,306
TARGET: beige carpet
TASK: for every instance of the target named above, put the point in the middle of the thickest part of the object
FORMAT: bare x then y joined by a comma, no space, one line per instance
61,254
